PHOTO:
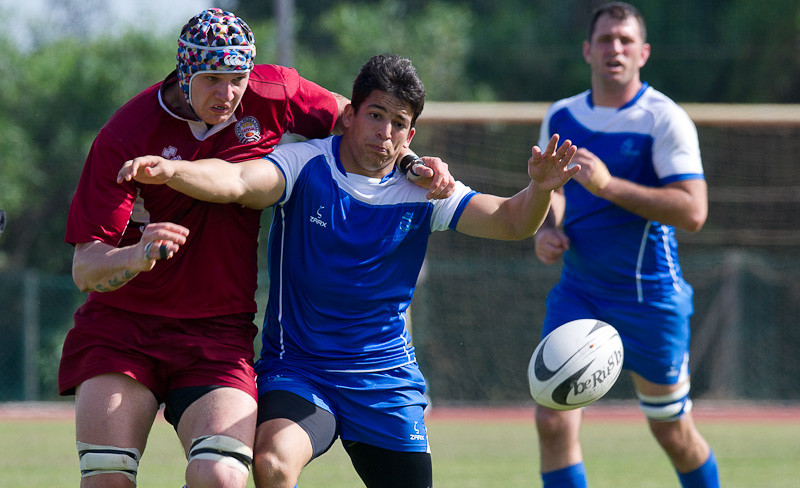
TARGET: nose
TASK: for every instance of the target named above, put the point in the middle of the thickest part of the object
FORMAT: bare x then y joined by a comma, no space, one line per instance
225,91
385,130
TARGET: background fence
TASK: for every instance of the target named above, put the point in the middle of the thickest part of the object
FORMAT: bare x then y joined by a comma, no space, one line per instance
476,316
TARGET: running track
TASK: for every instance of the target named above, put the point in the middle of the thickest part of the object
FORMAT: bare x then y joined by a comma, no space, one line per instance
704,411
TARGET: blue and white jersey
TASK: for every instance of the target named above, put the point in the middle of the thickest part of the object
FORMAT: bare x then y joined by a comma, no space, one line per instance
650,141
345,251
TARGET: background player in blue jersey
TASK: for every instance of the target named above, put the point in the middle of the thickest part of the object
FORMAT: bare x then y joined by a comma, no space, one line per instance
346,246
614,225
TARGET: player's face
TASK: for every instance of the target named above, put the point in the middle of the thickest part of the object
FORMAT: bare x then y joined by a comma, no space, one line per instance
376,134
215,96
616,51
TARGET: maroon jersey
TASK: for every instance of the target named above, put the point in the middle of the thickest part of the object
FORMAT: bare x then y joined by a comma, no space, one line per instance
215,272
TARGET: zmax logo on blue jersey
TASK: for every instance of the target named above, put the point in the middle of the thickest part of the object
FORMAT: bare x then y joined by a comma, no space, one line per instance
417,436
318,219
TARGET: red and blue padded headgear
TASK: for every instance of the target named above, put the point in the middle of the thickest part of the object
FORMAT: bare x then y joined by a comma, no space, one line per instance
213,40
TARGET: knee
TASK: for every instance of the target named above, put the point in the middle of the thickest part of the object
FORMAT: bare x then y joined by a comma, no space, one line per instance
218,462
269,469
677,438
557,425
108,466
204,474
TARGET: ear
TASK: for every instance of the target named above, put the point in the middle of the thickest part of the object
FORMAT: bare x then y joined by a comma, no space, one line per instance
586,48
645,54
347,115
411,133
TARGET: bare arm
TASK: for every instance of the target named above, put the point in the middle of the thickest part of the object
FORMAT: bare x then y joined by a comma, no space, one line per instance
97,266
341,102
682,204
551,241
520,216
255,184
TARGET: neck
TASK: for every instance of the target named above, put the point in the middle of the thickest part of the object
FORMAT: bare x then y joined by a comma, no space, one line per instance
175,98
616,96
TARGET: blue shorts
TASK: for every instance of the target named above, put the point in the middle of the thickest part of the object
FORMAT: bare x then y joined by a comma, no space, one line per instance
654,333
383,409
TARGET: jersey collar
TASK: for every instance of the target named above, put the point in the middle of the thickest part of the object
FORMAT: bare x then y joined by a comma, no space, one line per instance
630,103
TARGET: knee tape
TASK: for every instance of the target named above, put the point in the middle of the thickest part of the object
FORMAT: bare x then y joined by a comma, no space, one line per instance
222,449
666,408
96,459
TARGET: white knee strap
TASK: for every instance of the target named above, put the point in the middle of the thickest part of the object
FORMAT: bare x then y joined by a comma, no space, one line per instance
222,449
666,408
95,459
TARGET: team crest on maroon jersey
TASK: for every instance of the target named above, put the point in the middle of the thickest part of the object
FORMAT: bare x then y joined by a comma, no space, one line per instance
248,129
170,152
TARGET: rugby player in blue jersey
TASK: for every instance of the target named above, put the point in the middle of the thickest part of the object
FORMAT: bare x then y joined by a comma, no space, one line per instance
614,225
347,242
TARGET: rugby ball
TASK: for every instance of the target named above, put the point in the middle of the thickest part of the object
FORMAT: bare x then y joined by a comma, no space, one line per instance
575,364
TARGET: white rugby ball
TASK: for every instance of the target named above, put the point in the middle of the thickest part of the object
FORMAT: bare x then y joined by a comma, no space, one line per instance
575,364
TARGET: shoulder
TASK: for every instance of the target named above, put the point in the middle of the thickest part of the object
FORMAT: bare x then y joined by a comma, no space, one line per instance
662,108
301,152
573,103
136,118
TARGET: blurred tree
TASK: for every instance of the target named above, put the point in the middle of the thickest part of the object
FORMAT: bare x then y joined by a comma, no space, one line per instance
54,107
62,89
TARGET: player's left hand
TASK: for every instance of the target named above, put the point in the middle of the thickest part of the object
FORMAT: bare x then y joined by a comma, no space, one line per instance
435,176
146,169
550,169
594,176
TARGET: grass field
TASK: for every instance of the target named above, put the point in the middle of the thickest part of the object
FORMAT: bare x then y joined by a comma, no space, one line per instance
478,451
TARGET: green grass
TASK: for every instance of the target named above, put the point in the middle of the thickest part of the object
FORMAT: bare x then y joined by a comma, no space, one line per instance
478,453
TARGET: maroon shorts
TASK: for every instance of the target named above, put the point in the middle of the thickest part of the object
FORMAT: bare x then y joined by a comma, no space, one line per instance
161,353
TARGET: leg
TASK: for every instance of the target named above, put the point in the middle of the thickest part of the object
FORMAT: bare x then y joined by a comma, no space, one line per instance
228,416
291,432
115,411
382,468
676,434
559,440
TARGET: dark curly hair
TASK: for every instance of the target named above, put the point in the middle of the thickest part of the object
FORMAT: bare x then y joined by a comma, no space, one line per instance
394,75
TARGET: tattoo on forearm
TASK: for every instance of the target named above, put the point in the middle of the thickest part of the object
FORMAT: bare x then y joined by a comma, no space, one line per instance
116,281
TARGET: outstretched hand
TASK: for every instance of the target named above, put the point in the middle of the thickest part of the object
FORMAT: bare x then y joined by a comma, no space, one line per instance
550,169
154,170
435,176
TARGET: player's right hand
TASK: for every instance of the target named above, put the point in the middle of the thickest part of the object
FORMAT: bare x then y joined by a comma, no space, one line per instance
550,245
161,240
435,174
153,170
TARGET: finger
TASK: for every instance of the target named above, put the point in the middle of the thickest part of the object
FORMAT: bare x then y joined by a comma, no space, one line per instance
567,159
124,172
421,170
564,149
147,249
551,146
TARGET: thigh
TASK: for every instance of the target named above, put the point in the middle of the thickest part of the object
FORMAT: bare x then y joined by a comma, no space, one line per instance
383,409
565,304
114,410
655,338
318,423
384,468
221,411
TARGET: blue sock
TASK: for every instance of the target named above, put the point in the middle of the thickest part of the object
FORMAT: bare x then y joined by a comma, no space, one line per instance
570,477
705,476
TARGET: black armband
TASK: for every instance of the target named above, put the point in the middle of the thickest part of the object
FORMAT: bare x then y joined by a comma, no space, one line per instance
409,160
